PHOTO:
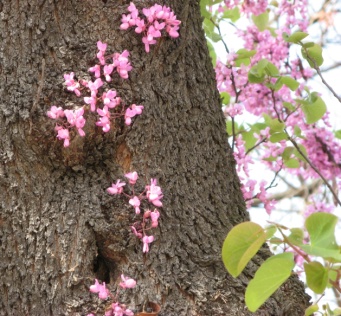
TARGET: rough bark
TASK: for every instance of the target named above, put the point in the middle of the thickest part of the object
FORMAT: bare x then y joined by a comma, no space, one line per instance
59,229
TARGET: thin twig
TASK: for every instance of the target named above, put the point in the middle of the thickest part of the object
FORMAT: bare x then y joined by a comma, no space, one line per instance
313,167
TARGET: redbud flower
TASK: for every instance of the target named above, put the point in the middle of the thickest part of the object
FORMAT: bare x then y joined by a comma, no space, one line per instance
116,188
154,193
107,70
63,134
96,69
71,84
132,176
104,121
154,217
55,112
132,111
127,283
135,232
135,201
102,291
146,241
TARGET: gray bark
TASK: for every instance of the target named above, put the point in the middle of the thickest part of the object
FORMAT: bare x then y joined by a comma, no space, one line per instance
59,229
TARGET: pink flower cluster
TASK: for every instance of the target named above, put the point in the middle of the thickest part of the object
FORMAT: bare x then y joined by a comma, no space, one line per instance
321,146
109,99
153,194
157,18
116,308
74,118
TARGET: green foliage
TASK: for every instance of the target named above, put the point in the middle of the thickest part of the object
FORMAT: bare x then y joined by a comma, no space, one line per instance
296,37
245,239
263,68
268,278
313,54
225,97
321,229
313,108
244,57
291,83
311,310
233,14
338,134
261,20
240,245
317,276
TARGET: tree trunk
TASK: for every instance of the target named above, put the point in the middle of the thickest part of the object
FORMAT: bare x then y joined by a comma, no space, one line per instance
59,228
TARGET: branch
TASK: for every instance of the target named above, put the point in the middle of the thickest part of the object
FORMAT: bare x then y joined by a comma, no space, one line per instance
293,192
313,167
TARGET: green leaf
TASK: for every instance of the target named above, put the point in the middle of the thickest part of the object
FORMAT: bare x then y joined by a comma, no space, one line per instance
313,54
277,137
232,14
313,111
257,72
337,311
287,152
271,70
275,125
240,245
311,310
249,139
296,236
289,106
225,97
298,154
268,278
338,134
296,37
291,83
292,163
261,20
334,275
244,57
321,229
298,133
270,231
276,241
317,276
308,44
203,9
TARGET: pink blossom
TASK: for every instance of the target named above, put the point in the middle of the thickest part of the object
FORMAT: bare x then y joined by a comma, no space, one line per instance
110,99
138,234
127,21
71,84
132,111
104,121
127,283
146,241
96,70
154,217
116,188
135,202
132,176
75,118
122,64
107,70
119,310
102,291
55,112
140,26
102,48
63,134
154,193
